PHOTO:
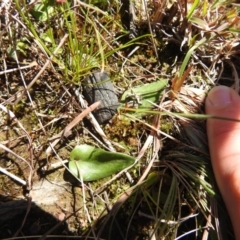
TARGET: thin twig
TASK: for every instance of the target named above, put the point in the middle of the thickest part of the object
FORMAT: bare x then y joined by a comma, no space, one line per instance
66,131
4,171
150,30
33,64
48,61
95,123
12,116
20,94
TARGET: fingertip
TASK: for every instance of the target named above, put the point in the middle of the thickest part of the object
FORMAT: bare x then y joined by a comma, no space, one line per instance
223,135
222,102
219,98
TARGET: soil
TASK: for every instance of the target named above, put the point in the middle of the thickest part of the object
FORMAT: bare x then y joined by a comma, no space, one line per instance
53,203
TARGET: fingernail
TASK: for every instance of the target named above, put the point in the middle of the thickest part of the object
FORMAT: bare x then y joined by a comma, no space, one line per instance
219,97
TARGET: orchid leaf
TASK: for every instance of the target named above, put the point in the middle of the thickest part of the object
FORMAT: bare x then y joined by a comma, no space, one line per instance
89,163
142,97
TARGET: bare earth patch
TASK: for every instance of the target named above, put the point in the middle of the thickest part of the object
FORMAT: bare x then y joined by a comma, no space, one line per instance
47,51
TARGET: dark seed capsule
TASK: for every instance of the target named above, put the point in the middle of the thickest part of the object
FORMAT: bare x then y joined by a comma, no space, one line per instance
97,87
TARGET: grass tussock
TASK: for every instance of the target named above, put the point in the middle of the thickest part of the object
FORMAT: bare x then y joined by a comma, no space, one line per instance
47,48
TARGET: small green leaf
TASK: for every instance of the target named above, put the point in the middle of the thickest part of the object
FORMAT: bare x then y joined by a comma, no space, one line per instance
90,163
43,10
143,96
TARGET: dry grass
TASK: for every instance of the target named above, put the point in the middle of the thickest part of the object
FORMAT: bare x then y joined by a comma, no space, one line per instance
46,51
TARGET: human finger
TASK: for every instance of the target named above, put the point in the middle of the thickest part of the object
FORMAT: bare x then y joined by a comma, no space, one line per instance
224,144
